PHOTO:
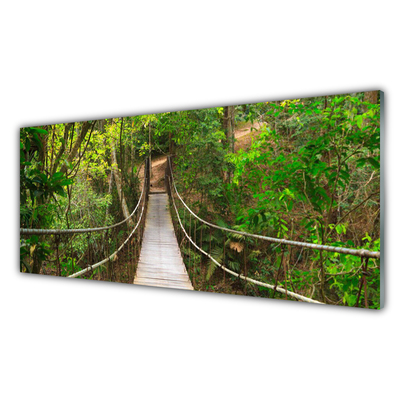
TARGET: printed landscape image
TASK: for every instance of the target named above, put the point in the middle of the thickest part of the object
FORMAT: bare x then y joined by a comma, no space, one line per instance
278,199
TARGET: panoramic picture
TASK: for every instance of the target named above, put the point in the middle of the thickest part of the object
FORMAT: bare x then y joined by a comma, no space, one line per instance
276,199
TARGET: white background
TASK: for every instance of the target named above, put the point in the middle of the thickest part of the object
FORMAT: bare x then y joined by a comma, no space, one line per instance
90,59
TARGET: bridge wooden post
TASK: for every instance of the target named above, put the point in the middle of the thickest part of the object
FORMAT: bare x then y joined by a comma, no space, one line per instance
285,272
201,246
245,265
194,265
57,242
190,235
279,269
209,252
128,263
108,254
224,259
363,282
147,176
112,261
167,179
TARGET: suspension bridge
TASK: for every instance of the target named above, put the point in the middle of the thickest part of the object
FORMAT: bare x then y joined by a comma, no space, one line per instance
161,263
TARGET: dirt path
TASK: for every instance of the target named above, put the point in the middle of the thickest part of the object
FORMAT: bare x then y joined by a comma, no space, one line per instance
158,165
244,135
246,129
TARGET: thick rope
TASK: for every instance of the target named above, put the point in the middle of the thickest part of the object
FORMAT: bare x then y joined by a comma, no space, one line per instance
278,289
24,231
92,267
343,250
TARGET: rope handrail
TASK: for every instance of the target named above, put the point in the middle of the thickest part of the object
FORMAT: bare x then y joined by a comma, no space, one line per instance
92,267
26,231
245,278
343,250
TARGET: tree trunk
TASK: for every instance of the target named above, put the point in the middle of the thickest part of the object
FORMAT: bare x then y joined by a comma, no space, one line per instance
62,149
229,126
85,127
117,177
371,97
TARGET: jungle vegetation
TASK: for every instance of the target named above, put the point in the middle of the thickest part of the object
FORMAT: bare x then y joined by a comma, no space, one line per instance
302,169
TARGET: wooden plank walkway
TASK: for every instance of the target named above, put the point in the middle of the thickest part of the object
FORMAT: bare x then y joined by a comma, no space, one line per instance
160,263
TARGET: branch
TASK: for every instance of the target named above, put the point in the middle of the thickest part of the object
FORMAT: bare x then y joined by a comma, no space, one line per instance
84,151
62,149
353,209
75,148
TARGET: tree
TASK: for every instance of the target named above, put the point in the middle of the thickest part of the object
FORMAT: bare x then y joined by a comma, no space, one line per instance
371,97
229,126
117,174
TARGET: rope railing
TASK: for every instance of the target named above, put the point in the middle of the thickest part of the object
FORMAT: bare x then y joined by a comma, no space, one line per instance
110,258
57,232
25,231
245,278
343,250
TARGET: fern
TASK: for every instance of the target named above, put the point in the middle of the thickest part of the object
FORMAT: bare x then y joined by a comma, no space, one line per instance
234,265
222,223
217,254
237,236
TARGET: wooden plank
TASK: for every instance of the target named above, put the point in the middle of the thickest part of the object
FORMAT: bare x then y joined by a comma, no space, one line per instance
160,263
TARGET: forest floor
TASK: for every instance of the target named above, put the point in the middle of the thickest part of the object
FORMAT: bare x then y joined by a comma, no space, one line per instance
158,165
245,134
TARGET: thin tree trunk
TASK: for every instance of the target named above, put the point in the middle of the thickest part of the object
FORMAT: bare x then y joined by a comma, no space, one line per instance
229,128
62,149
371,97
117,177
109,191
85,127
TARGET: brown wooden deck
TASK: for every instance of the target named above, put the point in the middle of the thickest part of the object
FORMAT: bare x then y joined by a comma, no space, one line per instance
160,263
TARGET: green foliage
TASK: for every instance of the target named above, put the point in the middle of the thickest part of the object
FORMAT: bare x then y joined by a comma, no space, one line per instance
345,273
31,250
68,267
310,173
37,186
304,174
66,192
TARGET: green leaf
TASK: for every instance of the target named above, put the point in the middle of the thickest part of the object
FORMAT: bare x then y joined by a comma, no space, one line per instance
60,191
341,229
37,140
57,175
373,162
359,120
351,299
67,182
39,130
